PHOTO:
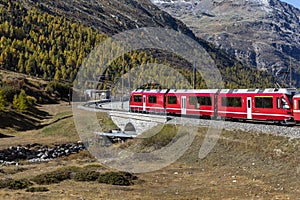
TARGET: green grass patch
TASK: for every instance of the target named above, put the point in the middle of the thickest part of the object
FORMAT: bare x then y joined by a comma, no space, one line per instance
94,167
106,122
64,127
61,115
162,138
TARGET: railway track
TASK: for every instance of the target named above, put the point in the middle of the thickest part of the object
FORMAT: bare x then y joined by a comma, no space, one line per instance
248,126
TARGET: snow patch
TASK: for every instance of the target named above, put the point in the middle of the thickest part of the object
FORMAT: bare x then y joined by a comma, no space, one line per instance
204,5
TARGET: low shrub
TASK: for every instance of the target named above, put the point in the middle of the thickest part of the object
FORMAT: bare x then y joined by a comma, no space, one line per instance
116,178
4,183
54,177
86,176
37,189
59,89
15,184
128,175
83,174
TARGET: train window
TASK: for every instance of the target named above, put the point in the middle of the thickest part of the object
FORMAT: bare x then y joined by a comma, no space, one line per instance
137,98
205,101
197,101
290,98
285,104
282,103
264,102
152,99
298,104
232,101
278,100
193,100
172,100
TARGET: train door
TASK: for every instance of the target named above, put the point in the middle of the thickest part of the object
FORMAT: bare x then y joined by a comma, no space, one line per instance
183,105
249,108
144,103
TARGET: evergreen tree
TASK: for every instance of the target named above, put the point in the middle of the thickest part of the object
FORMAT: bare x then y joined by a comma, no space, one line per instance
2,101
20,102
16,102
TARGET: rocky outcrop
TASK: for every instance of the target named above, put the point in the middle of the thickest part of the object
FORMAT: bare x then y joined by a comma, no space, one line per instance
113,16
262,33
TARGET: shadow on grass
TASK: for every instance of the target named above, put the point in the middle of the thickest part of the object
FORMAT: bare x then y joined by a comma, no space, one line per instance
37,114
4,136
30,120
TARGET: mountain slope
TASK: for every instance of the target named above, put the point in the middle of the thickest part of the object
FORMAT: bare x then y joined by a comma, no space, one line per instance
112,16
261,33
56,36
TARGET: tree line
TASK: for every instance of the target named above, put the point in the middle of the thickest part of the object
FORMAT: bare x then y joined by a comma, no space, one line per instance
51,47
40,44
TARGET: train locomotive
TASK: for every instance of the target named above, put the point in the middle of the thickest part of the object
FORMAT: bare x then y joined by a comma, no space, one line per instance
272,104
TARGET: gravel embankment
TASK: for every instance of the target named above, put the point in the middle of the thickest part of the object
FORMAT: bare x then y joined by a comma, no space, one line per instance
259,127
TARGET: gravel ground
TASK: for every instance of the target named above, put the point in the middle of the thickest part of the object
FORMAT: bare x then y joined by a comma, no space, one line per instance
259,127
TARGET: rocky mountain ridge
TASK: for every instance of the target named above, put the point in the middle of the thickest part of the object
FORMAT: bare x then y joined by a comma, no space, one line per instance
36,19
262,33
115,16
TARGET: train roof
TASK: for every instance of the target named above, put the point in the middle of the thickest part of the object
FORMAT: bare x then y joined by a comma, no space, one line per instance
193,91
163,91
289,91
261,91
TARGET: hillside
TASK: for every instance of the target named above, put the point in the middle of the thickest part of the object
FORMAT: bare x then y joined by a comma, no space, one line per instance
263,34
242,165
50,39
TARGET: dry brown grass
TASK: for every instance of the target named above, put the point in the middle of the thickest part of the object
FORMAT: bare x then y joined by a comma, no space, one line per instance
241,166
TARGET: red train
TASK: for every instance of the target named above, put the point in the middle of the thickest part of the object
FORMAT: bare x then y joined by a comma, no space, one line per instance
296,109
279,105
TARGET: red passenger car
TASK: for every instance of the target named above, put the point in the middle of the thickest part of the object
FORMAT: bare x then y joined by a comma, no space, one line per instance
296,109
191,102
257,104
148,101
245,104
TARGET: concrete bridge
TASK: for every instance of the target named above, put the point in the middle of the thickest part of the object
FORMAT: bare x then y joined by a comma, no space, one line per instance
136,123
